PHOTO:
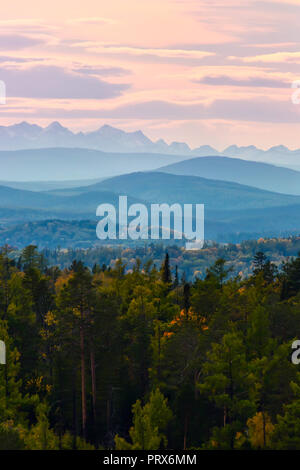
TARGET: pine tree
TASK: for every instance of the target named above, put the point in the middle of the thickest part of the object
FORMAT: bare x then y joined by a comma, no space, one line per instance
166,271
286,434
228,382
259,262
176,278
219,271
11,400
186,297
77,303
149,422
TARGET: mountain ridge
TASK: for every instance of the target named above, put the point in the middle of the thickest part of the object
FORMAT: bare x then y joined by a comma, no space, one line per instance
107,138
256,174
158,187
58,164
231,209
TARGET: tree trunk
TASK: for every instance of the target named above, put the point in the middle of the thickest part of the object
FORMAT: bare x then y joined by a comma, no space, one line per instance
75,422
186,420
83,392
93,374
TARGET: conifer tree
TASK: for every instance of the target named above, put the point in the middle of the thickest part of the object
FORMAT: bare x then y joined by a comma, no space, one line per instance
166,271
149,422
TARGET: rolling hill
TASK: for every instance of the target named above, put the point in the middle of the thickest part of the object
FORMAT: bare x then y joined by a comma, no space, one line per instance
232,211
82,204
230,227
60,164
259,175
48,185
158,187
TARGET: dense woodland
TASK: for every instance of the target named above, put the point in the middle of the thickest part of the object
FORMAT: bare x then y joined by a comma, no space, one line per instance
190,264
106,358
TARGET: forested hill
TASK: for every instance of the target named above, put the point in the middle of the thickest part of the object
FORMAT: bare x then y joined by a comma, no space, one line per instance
190,264
106,359
67,217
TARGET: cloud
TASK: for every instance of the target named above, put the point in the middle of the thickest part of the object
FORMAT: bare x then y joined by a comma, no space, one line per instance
18,41
276,57
19,60
55,82
275,45
91,21
250,20
28,25
283,2
265,110
143,51
247,110
224,80
102,71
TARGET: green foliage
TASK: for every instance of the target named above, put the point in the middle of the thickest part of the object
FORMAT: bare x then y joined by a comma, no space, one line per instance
10,438
148,423
40,436
166,271
229,384
87,348
286,435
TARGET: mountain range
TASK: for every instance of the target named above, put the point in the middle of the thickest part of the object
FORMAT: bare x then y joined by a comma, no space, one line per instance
53,179
110,139
107,138
67,217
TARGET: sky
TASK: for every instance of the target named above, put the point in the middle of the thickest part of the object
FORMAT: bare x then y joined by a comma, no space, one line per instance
215,72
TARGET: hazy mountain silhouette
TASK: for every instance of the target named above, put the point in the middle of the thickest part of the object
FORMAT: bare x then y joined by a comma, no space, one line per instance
60,164
110,139
259,175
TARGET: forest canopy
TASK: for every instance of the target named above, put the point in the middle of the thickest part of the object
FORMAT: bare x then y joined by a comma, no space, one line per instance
102,357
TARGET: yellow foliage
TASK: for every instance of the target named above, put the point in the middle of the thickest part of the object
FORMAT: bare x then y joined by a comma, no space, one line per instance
50,319
61,281
256,426
184,316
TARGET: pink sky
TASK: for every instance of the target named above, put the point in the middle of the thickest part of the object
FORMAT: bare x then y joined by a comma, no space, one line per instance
201,71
